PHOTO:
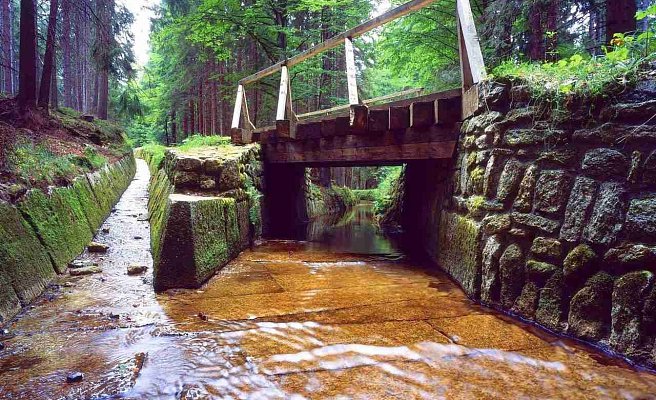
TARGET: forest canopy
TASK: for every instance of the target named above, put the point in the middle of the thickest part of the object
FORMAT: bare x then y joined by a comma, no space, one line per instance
83,56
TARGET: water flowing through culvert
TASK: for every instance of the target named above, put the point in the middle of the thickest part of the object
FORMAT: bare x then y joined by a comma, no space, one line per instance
341,313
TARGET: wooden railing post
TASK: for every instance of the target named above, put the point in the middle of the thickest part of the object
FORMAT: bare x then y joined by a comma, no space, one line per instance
285,117
239,135
472,66
358,115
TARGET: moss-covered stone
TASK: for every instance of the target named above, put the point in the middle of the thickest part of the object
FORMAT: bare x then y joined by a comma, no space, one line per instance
629,294
24,262
196,236
59,221
550,309
579,264
458,251
527,302
590,309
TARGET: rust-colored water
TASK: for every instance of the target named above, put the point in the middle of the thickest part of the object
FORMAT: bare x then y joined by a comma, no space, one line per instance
289,320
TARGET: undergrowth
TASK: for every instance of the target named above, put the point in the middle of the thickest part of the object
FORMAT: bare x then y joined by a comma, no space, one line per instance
583,75
35,163
201,141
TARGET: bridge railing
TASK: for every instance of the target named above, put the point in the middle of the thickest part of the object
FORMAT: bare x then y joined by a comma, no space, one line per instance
471,64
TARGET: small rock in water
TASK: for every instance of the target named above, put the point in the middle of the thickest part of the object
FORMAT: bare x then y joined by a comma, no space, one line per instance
75,377
202,316
2,346
114,316
81,264
68,284
138,238
94,269
95,247
105,230
136,269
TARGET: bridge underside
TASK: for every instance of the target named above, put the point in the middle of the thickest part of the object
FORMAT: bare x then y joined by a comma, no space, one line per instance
421,128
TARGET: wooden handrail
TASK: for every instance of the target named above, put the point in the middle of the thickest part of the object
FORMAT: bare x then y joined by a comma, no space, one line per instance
471,64
338,40
327,111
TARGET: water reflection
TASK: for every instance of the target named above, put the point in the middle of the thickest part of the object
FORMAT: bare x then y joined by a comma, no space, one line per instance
353,232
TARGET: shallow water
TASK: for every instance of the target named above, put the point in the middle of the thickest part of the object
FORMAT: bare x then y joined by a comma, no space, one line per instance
340,315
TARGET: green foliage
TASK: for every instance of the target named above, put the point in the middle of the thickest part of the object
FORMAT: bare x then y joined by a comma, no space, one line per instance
583,75
95,160
365,194
195,141
388,178
140,133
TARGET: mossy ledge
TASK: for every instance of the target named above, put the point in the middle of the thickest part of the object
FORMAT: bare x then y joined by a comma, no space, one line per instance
204,210
42,232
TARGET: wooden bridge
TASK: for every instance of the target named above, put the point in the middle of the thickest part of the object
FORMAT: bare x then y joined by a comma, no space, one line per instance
396,128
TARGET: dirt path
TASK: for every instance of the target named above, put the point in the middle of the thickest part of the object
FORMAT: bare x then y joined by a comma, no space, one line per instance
287,320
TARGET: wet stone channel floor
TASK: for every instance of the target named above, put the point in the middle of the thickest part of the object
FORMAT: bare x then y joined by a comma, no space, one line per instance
287,319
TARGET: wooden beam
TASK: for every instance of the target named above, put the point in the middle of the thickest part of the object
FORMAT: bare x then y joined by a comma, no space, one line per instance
369,102
358,117
471,57
423,114
378,120
236,115
399,118
247,115
350,72
337,40
283,94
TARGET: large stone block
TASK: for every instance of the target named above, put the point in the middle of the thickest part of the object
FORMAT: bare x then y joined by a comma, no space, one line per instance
550,311
605,164
578,208
590,309
579,264
509,180
547,247
197,237
607,216
527,302
641,219
534,137
524,200
551,191
24,262
511,270
491,175
629,294
458,251
490,284
59,221
535,221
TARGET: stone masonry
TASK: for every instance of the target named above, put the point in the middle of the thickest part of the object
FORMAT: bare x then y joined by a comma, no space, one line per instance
562,214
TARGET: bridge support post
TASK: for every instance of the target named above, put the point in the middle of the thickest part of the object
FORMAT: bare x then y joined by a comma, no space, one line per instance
285,201
472,66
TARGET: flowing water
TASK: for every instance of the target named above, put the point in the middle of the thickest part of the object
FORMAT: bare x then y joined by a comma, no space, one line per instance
342,314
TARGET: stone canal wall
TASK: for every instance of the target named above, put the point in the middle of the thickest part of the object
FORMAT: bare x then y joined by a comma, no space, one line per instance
204,209
552,219
42,232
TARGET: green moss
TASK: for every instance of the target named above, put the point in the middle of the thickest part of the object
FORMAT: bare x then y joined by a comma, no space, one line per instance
471,159
60,223
458,250
477,176
475,203
89,203
212,232
231,226
24,261
196,141
158,207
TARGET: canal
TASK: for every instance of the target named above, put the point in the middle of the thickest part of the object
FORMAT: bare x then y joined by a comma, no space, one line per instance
338,313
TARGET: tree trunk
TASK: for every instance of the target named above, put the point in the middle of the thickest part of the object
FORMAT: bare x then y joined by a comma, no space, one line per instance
54,87
551,51
49,57
105,32
27,56
620,17
536,32
66,53
174,127
8,44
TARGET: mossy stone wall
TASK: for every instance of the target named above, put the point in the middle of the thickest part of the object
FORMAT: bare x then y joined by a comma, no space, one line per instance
43,232
198,228
551,219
